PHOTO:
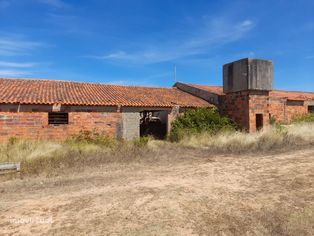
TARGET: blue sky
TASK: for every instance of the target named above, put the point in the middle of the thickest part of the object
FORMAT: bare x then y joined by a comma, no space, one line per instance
138,42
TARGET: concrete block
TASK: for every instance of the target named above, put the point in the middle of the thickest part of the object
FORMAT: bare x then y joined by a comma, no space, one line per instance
130,125
248,74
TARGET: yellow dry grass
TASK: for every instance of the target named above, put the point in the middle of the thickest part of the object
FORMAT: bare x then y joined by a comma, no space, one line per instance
271,138
171,192
188,188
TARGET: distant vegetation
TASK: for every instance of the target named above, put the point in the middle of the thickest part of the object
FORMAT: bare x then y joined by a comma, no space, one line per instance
197,128
200,120
269,139
87,149
197,179
304,118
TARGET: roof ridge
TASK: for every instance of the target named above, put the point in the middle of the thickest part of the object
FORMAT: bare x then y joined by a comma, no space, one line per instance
289,91
275,90
42,91
80,82
220,86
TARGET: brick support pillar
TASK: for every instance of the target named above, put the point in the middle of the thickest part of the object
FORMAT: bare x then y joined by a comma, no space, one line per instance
242,107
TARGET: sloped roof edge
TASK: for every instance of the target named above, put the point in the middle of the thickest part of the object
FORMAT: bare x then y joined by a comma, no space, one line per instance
36,91
293,95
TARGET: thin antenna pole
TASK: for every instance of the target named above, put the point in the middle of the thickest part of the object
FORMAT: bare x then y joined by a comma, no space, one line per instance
175,73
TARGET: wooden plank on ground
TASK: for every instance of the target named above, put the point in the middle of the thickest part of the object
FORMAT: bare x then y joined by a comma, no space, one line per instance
10,166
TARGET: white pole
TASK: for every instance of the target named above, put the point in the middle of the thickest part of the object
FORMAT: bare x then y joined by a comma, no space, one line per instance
175,73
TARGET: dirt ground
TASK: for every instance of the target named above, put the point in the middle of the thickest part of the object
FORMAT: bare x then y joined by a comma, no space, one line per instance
188,193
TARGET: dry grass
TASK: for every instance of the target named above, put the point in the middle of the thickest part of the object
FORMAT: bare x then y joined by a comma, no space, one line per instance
168,192
270,139
163,188
49,158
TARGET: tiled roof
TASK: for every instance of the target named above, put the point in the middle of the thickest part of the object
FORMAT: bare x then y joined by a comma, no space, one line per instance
292,95
273,94
212,89
27,91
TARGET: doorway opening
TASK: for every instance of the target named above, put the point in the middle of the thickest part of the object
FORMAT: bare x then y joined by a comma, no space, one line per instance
259,121
154,123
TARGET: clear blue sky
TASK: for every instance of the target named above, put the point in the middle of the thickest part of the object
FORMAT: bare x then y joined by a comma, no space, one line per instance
138,42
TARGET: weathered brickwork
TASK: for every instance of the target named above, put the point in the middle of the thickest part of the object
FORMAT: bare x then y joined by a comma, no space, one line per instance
292,111
282,112
236,107
34,125
258,104
242,108
277,109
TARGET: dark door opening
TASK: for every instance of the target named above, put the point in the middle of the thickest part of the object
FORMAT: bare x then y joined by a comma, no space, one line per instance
311,109
259,121
154,123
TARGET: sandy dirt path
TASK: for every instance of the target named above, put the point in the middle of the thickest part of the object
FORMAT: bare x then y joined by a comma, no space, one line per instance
222,195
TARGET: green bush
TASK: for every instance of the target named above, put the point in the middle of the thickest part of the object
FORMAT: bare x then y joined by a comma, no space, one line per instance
304,118
279,126
141,141
273,120
199,120
92,137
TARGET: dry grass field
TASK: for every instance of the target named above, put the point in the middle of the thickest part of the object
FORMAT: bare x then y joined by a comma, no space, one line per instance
161,189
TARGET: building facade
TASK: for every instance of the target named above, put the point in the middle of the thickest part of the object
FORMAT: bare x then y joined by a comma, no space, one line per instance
248,98
43,109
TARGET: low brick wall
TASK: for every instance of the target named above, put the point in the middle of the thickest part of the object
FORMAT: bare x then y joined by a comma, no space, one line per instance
242,108
282,112
292,111
34,125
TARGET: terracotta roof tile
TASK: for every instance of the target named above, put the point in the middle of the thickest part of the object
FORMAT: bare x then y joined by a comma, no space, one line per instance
292,95
273,94
28,91
212,89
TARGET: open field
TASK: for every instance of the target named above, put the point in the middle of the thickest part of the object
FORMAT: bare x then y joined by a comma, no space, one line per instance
228,184
176,191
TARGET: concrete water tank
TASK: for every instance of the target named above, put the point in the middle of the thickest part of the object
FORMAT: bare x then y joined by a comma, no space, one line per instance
248,74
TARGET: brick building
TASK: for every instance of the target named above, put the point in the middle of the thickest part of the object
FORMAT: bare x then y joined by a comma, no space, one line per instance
248,98
43,109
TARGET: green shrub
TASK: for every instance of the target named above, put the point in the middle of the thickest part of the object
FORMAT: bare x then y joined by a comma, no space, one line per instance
92,137
278,126
13,140
273,121
304,118
199,120
141,141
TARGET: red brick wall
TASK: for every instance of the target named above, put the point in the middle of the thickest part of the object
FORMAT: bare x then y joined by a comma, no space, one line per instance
284,113
258,104
34,125
242,108
292,111
236,107
277,109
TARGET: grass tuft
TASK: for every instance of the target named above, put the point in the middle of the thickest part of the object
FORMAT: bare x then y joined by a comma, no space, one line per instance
271,138
306,118
87,149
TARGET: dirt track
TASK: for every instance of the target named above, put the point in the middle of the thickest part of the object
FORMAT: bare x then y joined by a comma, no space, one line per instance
227,195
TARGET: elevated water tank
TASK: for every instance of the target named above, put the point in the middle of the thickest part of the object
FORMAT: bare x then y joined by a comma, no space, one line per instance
248,74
